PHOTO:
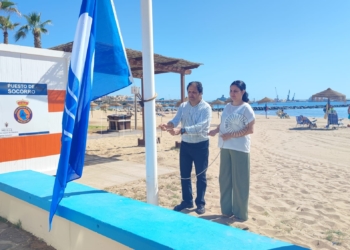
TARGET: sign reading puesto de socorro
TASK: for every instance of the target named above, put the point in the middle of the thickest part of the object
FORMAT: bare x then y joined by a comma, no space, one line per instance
23,109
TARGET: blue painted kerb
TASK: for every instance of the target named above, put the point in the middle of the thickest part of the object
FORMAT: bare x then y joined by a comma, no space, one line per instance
135,224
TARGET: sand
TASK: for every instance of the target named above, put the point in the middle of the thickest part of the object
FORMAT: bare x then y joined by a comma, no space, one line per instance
299,178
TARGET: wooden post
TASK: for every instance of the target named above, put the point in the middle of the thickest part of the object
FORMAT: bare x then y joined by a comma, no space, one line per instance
182,76
135,113
141,142
143,111
182,79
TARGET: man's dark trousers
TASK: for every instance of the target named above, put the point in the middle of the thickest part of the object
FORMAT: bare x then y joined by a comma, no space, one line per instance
197,153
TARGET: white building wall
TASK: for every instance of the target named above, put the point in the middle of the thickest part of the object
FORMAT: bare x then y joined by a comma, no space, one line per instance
20,64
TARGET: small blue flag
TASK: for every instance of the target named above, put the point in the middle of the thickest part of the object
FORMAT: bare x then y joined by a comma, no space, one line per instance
98,67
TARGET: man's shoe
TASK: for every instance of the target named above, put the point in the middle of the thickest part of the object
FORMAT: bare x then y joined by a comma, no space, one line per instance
200,209
182,206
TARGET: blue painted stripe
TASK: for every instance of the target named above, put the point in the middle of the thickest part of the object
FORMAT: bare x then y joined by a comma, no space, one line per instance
135,224
34,133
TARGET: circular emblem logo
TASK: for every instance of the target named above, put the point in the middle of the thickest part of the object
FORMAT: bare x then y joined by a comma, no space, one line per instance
235,122
23,114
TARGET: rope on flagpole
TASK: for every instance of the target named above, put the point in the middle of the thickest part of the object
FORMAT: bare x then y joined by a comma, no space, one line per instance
101,122
142,101
150,99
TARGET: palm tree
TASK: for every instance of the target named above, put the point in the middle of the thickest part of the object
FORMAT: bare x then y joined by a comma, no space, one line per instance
8,6
35,26
5,25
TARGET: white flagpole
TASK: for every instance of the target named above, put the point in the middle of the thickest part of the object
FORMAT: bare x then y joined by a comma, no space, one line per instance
101,120
150,117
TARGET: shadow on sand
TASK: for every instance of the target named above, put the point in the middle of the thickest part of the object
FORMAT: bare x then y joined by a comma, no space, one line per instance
307,128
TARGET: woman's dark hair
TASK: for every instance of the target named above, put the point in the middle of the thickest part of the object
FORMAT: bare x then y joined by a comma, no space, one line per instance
198,85
241,85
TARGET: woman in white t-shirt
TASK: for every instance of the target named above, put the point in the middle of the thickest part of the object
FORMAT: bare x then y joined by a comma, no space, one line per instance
237,122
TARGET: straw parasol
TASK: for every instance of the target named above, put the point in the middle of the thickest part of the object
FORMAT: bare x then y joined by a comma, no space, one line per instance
92,105
115,104
217,102
265,100
104,107
329,94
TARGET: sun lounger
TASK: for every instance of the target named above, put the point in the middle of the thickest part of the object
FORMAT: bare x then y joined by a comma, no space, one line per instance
281,114
303,120
333,120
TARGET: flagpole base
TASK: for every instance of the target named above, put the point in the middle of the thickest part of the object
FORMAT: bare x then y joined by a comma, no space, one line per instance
141,142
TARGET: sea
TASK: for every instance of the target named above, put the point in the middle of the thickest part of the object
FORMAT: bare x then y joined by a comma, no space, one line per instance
293,108
302,108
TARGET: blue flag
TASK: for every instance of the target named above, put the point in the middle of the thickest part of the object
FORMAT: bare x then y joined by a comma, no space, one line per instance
98,66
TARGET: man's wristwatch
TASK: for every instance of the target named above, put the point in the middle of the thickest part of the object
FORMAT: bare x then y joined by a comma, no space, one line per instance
183,130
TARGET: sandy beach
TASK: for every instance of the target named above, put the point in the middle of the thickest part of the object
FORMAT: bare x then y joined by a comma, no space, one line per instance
299,178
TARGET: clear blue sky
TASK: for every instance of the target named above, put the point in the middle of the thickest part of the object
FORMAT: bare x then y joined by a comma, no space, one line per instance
297,45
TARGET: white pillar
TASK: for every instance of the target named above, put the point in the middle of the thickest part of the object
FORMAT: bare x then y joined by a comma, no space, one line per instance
149,92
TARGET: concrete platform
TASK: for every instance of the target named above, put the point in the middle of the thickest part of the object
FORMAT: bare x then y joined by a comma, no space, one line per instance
101,174
98,173
84,221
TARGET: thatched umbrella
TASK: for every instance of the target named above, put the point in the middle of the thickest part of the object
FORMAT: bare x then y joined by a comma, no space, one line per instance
115,104
217,102
92,105
104,107
159,106
329,94
265,100
128,105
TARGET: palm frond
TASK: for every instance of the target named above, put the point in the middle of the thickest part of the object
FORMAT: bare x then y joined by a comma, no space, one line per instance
34,25
19,35
8,6
6,24
28,18
48,22
43,30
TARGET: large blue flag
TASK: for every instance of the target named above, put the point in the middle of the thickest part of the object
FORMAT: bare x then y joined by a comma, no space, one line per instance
98,66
